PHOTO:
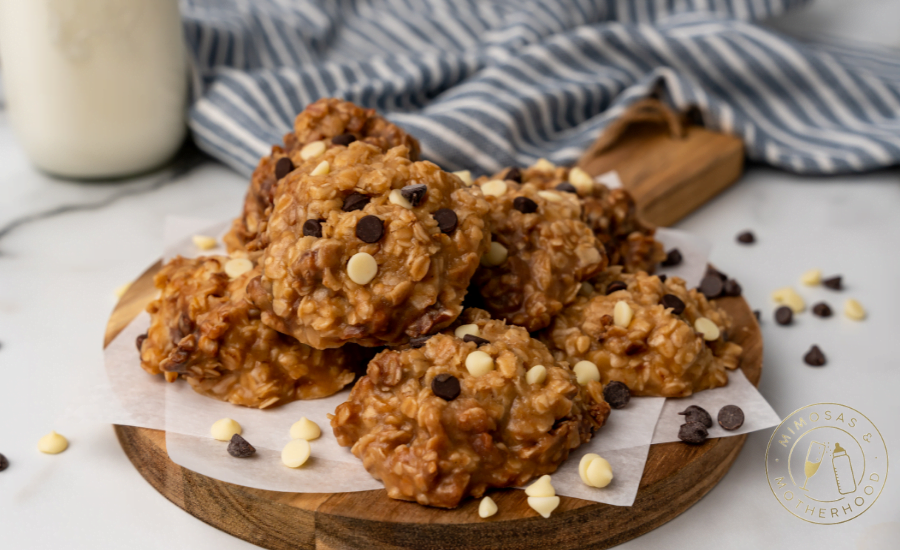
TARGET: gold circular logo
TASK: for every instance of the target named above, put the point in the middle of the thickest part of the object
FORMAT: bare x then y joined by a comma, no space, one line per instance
826,463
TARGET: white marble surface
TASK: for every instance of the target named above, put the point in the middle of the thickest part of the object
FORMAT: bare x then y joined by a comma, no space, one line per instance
57,276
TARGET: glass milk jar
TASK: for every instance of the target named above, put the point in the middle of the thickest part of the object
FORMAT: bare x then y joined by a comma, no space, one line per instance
94,88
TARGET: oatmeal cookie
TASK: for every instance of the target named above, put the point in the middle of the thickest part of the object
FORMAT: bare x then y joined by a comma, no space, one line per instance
660,351
332,121
548,252
434,433
369,247
205,330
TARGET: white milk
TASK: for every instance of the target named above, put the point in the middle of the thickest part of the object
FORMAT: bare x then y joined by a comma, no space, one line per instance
95,88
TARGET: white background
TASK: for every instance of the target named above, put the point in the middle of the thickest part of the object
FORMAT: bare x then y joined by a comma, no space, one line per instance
57,277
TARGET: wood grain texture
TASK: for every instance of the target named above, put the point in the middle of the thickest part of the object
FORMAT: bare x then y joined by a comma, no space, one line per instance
675,477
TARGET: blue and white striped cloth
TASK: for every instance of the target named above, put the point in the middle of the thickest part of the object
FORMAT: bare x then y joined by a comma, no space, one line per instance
485,85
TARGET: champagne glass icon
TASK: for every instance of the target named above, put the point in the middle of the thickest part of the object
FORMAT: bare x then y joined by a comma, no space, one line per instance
814,456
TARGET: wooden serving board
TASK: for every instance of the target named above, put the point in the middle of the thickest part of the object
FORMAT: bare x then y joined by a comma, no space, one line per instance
675,476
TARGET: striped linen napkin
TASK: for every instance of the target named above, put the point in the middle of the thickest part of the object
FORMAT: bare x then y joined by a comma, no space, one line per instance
485,85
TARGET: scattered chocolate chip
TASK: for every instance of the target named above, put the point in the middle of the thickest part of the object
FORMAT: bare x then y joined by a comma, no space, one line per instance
616,286
140,341
283,167
240,448
711,286
566,187
419,341
616,394
731,417
4,464
814,357
822,310
513,174
694,433
414,193
525,205
834,283
446,220
784,315
695,413
445,386
355,201
312,228
757,313
478,340
369,229
731,288
343,139
747,237
674,302
662,278
635,348
673,257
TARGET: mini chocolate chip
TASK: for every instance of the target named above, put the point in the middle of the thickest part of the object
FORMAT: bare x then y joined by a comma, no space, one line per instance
673,257
694,433
662,278
445,386
312,228
674,302
616,286
822,310
140,341
696,413
513,174
616,394
635,348
757,313
414,193
834,283
419,341
711,286
369,229
747,237
814,357
4,464
525,205
731,288
355,201
343,139
283,167
784,315
566,187
479,341
731,417
239,448
446,220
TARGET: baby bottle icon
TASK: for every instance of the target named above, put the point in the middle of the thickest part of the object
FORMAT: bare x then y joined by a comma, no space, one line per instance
843,470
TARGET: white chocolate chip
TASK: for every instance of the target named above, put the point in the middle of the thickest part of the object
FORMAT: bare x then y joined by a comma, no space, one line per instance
551,196
121,290
323,169
544,165
478,363
582,181
789,297
396,197
295,453
541,488
585,371
811,277
586,289
362,268
312,150
622,314
707,328
236,267
583,465
597,473
462,330
465,176
854,310
495,255
487,507
305,429
536,374
224,428
494,188
53,444
543,505
204,242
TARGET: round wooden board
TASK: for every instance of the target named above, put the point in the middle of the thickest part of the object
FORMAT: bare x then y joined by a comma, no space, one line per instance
675,477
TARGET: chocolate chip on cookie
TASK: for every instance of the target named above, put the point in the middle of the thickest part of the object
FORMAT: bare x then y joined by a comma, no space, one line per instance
419,341
566,187
139,341
343,139
369,229
674,302
513,174
731,417
731,288
478,340
355,201
696,413
673,257
814,357
711,286
662,278
525,205
822,310
414,193
615,286
616,394
312,228
283,167
784,315
445,386
446,220
694,433
238,447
